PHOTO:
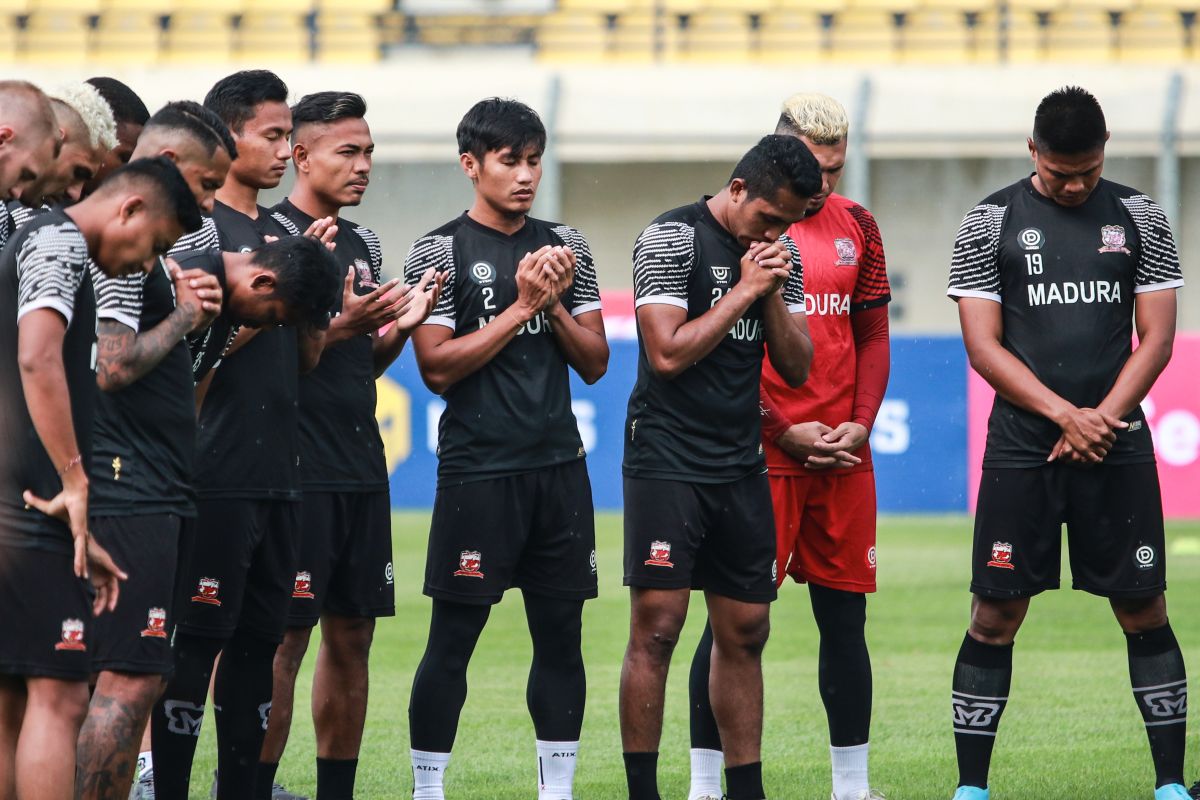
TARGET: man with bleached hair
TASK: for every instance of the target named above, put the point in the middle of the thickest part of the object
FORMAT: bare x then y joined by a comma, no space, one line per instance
818,459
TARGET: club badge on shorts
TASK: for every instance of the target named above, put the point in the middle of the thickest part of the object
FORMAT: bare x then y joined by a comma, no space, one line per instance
1112,238
206,592
1002,553
660,554
303,588
72,635
469,562
156,624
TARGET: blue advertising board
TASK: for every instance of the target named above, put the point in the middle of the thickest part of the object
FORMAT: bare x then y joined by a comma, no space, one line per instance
919,440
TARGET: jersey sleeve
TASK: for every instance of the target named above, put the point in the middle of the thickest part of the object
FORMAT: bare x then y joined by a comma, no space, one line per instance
1158,262
974,269
793,287
50,269
203,239
663,256
118,299
872,288
286,223
585,291
438,252
375,250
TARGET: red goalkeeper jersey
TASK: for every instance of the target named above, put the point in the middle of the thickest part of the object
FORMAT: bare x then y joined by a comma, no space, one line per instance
845,277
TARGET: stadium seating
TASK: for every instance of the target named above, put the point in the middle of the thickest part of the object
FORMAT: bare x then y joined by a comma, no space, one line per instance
573,31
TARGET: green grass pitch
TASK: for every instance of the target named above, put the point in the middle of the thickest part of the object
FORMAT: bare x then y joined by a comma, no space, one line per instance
1071,729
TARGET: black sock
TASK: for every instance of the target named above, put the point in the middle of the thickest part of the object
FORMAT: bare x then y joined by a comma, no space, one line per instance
702,722
557,685
641,775
440,686
175,721
982,676
1159,682
745,782
264,779
844,665
242,699
335,778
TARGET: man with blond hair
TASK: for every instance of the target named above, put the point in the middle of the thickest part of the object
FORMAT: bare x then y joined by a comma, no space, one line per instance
28,138
819,461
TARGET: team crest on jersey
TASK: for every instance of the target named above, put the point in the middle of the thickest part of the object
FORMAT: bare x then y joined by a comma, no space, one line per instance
847,253
363,270
1031,239
1112,238
469,562
1001,555
206,592
721,274
156,624
660,554
303,587
72,635
482,273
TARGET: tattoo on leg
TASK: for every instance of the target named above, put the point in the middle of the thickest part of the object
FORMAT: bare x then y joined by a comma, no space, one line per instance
108,747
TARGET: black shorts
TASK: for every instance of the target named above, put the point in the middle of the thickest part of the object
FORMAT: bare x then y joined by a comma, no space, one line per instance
535,531
242,569
345,563
45,616
719,537
1114,519
136,637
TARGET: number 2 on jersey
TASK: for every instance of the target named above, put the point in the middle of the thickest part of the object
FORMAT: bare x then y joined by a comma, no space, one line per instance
489,298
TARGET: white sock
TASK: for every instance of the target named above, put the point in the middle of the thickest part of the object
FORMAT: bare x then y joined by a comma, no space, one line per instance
428,771
849,771
145,763
706,773
556,769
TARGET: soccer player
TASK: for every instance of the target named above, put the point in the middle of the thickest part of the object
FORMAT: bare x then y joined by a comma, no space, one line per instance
344,572
48,391
238,582
29,140
88,133
519,307
141,472
714,281
130,114
1052,276
815,437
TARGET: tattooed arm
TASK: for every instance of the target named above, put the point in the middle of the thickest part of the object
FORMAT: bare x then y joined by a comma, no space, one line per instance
125,355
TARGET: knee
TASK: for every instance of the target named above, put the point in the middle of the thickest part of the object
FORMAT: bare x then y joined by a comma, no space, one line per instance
995,623
839,614
654,638
747,636
1141,614
349,639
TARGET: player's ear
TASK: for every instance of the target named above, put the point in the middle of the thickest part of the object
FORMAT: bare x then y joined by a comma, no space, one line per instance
469,165
737,190
6,134
132,205
263,282
1033,147
300,157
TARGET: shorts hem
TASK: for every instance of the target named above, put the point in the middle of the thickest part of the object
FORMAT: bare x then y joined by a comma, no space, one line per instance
311,620
1149,591
590,593
465,599
205,631
841,586
1012,594
642,582
131,667
741,597
37,671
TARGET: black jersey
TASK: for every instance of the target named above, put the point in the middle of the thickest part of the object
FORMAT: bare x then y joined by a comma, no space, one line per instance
1066,278
246,436
44,265
703,425
340,446
512,415
145,433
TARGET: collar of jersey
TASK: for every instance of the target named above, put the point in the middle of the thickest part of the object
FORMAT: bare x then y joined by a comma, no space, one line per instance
501,235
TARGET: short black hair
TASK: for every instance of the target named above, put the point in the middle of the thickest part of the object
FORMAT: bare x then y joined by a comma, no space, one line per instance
779,162
498,123
126,106
327,107
234,97
196,121
1069,121
307,277
164,178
